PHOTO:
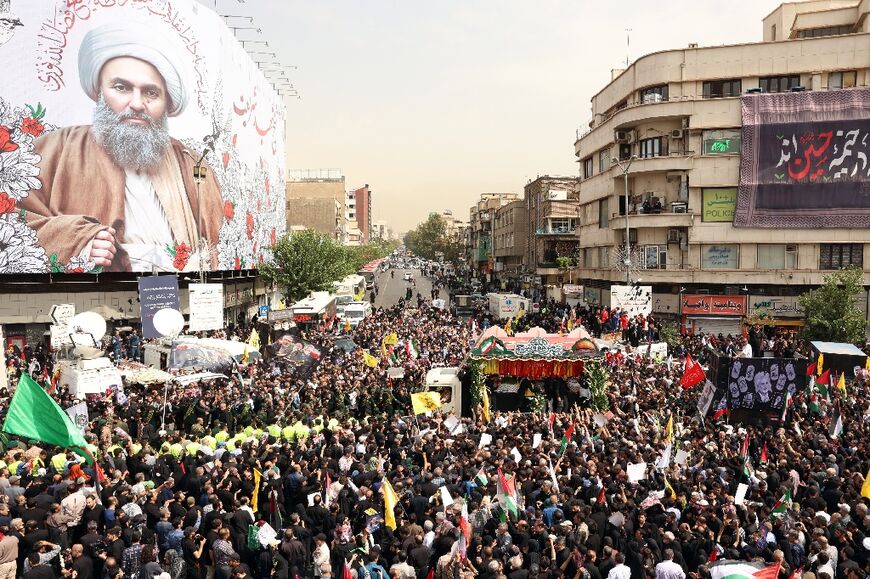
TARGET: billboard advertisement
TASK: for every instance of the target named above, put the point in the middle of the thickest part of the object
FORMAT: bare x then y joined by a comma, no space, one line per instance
635,300
106,112
805,160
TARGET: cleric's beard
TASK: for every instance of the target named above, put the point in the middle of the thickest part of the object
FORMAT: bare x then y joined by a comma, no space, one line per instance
131,146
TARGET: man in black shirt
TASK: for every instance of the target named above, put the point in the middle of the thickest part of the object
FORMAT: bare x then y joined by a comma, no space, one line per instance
81,563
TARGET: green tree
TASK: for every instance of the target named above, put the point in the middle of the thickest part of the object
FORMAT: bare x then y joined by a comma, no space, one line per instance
307,261
832,314
428,238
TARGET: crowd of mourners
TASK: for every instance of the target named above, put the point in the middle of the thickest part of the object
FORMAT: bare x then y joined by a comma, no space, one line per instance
283,474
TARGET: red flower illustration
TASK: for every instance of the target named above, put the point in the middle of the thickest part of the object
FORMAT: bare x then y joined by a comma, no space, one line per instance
273,237
6,144
238,263
182,255
229,210
7,204
249,225
32,126
268,186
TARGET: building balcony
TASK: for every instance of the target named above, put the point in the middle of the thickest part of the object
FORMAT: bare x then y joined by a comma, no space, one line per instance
651,220
676,161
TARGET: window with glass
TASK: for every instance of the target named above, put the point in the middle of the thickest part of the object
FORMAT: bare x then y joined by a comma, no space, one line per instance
777,256
720,256
825,31
603,160
653,147
587,257
839,255
722,88
624,151
655,256
587,167
779,83
604,213
721,142
842,79
654,94
561,225
604,256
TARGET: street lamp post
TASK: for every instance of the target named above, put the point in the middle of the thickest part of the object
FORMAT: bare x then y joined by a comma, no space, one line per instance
625,165
199,173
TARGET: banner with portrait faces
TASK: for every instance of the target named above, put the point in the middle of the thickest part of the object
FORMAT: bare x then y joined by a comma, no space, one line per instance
761,384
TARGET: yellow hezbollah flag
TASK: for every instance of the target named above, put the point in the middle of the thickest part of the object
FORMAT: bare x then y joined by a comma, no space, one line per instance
255,499
820,364
254,340
865,488
392,339
670,489
841,383
484,398
245,355
425,401
347,327
867,364
370,361
507,327
390,502
669,429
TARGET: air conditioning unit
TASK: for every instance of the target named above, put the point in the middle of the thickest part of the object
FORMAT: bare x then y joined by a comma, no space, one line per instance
677,134
673,235
622,137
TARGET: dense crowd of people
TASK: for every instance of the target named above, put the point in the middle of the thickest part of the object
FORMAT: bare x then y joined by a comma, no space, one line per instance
285,474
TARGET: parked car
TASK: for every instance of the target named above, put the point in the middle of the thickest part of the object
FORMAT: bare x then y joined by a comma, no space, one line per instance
408,276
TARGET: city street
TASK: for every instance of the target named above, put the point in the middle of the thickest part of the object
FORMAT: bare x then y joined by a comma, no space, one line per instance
392,289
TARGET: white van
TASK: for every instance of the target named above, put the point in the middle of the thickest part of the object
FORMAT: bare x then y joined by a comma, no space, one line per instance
355,312
445,381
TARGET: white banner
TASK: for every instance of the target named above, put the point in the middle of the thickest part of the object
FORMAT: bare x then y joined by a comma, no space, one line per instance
78,413
206,306
633,299
706,398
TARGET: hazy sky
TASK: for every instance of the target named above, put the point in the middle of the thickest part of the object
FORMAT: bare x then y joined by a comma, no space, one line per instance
433,103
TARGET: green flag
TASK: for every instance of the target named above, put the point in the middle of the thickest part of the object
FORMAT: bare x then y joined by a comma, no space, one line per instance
33,414
782,505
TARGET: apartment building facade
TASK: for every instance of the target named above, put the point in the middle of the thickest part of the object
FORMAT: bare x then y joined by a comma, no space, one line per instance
480,230
316,200
552,205
663,151
509,228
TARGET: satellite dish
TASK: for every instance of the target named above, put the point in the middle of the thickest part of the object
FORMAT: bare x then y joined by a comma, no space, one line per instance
87,329
168,322
87,352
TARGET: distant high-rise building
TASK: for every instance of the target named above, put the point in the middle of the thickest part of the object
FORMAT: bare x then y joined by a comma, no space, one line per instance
316,200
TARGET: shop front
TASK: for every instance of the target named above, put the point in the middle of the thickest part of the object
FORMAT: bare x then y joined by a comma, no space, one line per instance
778,311
712,314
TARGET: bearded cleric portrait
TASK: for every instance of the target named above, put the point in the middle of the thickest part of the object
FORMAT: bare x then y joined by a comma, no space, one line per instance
120,191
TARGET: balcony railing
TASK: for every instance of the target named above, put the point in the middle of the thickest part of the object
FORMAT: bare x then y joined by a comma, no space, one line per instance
556,231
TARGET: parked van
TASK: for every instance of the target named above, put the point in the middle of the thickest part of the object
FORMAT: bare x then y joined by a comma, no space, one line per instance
356,312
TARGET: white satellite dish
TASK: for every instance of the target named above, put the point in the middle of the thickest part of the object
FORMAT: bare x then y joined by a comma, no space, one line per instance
87,329
87,352
168,322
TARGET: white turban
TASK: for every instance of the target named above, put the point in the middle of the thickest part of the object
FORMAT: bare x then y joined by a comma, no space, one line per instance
138,40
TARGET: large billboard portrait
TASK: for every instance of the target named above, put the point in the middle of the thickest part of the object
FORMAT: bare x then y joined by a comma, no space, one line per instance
805,160
106,110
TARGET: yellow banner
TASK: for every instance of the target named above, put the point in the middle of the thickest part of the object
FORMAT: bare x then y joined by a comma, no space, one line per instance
256,498
425,401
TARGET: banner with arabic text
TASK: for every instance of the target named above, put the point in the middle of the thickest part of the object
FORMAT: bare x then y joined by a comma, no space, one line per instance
805,160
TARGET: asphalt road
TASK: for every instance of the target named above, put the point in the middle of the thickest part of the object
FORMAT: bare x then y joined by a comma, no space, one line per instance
392,289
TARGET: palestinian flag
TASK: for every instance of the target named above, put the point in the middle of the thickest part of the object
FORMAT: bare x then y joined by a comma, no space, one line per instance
602,496
744,450
730,569
782,505
764,453
823,383
507,494
788,402
412,350
813,403
480,478
836,428
566,438
721,410
811,369
771,572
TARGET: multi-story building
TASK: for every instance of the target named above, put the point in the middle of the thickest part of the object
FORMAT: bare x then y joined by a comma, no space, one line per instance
315,200
660,164
479,237
359,212
453,227
551,205
509,239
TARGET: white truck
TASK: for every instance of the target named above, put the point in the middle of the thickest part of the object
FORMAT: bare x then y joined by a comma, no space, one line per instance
504,306
89,376
356,312
445,381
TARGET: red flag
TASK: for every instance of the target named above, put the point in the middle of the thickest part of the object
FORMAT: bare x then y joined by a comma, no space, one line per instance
431,574
797,573
744,450
771,572
764,452
825,378
714,554
811,369
346,574
551,421
693,374
602,497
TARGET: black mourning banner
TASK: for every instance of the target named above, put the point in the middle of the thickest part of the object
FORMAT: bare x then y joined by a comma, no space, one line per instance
761,384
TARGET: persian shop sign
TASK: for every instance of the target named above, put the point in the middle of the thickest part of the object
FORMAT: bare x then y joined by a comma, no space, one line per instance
775,307
694,305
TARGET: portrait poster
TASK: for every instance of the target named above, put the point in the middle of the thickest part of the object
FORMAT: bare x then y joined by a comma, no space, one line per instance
135,136
156,292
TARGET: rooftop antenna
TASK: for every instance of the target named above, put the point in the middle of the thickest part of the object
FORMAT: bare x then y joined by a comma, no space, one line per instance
627,44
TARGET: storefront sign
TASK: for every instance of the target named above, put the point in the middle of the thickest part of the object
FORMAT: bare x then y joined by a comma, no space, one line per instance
635,300
206,306
718,204
302,318
280,315
775,307
572,290
713,305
